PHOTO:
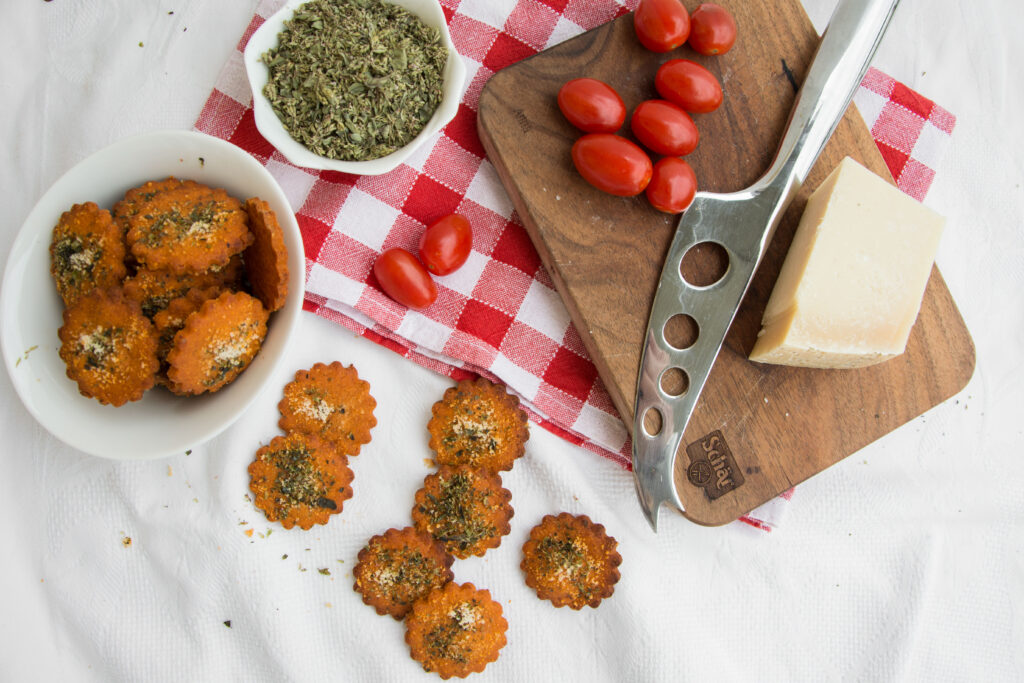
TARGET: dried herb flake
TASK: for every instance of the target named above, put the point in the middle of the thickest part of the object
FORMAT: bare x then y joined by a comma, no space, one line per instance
355,79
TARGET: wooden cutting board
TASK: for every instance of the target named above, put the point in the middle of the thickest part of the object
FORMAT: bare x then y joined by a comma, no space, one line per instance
776,426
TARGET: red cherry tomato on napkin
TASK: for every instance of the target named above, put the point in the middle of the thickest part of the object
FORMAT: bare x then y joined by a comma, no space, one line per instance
688,85
445,244
612,164
591,105
404,279
664,128
661,25
712,29
672,185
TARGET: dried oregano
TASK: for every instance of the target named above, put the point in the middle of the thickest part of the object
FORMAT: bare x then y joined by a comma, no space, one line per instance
355,79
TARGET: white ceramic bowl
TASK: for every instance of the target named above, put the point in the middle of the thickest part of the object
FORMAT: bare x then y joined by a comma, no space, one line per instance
265,37
161,424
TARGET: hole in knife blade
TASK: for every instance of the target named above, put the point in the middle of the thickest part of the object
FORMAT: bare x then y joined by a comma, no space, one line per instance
652,422
704,264
681,331
675,382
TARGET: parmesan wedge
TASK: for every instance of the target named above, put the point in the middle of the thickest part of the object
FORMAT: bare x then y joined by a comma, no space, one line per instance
852,283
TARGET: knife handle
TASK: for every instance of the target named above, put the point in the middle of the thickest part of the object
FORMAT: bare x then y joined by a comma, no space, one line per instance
850,40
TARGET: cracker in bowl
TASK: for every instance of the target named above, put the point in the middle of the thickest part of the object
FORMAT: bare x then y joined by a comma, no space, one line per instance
109,347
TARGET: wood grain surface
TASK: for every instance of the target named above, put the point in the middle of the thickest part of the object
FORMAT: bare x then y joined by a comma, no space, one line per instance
781,425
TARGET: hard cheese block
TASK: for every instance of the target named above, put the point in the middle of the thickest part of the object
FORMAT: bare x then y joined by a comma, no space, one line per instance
851,286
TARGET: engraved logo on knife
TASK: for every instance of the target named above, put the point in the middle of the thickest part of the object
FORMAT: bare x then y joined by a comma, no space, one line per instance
712,466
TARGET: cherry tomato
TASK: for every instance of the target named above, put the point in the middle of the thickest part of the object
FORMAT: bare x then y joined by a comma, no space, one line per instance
712,29
612,164
661,25
404,279
664,128
591,105
688,85
672,186
445,244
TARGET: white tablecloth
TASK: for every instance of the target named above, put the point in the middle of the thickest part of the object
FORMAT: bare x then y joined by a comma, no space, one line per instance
903,562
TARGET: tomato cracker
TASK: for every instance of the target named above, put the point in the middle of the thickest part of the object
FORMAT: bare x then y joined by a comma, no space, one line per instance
190,227
138,197
456,630
216,344
478,423
331,402
172,319
465,508
86,252
396,569
154,289
300,480
109,347
571,561
266,259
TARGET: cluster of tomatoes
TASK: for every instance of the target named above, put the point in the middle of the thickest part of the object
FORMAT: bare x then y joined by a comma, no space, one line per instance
444,247
612,163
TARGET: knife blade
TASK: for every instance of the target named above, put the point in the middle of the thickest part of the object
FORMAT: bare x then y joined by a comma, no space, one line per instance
741,224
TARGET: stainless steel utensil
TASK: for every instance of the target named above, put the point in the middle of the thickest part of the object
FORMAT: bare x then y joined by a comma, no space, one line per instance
742,223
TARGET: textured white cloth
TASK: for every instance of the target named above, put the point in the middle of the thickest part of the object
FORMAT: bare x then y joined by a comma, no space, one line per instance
903,562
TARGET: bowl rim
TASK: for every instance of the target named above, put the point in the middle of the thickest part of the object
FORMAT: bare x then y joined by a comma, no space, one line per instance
284,322
271,128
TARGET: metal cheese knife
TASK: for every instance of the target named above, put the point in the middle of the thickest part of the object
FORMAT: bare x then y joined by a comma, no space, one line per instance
742,223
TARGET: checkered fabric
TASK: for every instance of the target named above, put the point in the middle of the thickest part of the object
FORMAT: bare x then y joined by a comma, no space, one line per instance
499,315
910,130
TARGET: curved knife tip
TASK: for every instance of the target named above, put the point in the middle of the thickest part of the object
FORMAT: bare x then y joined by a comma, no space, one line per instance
652,518
651,509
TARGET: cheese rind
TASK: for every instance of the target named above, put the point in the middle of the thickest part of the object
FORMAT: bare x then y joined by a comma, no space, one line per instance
852,283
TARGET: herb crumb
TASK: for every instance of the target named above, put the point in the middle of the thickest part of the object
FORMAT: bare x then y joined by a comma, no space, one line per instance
346,96
285,556
325,571
228,623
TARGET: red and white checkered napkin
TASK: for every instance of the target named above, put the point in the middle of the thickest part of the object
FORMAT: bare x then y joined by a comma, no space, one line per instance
499,315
